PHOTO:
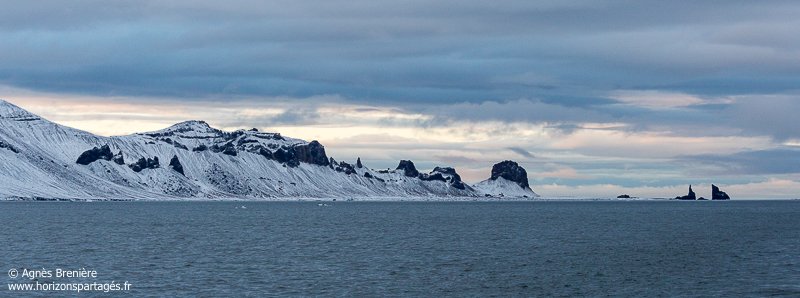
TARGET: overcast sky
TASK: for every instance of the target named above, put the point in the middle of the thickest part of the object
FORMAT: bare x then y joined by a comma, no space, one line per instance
593,98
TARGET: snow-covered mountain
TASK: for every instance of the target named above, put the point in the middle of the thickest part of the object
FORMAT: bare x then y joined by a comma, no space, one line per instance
191,160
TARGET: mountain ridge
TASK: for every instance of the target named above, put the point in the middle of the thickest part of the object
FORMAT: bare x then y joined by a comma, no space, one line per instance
192,160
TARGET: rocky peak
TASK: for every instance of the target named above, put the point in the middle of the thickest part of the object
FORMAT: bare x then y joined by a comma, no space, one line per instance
408,168
445,170
452,176
717,194
510,171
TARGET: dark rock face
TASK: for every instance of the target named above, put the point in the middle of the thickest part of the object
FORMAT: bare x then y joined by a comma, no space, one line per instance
200,148
345,168
446,170
229,149
358,163
455,179
313,153
370,176
143,163
510,171
690,197
408,168
92,155
283,155
265,153
179,145
175,164
702,199
118,158
245,140
332,163
717,194
623,197
432,177
8,146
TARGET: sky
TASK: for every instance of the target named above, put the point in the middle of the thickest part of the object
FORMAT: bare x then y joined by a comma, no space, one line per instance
593,98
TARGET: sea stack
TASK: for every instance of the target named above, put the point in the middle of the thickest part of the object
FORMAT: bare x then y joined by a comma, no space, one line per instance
690,197
718,195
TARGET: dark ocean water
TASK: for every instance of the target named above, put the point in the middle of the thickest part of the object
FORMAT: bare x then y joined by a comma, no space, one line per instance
737,248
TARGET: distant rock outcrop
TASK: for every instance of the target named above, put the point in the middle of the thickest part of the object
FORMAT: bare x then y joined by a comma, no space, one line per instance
94,154
229,149
623,197
145,163
313,153
717,195
118,158
343,167
510,171
7,146
200,148
358,163
286,156
453,177
176,165
432,177
292,156
690,197
408,168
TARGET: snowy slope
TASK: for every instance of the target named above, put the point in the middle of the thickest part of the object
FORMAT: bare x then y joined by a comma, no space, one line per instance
42,159
504,188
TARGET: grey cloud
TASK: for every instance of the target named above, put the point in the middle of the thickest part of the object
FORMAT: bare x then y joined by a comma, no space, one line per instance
759,162
455,159
522,152
419,51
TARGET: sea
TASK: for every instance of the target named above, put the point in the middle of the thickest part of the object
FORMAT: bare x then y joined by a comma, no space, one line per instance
403,249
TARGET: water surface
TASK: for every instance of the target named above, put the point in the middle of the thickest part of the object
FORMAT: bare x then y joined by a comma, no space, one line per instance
736,248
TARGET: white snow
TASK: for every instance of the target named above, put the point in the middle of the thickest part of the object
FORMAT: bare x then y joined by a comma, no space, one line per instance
45,167
504,188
